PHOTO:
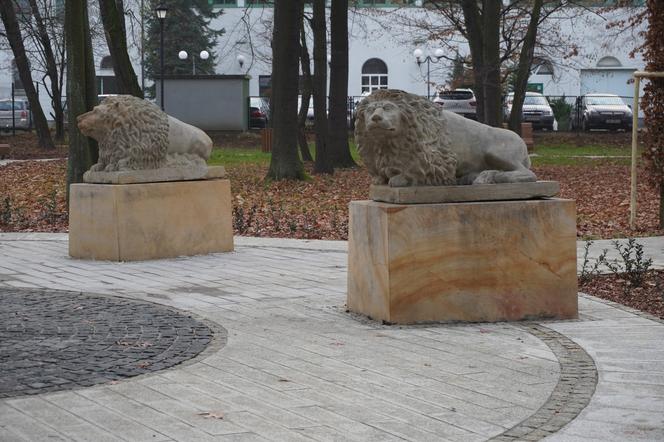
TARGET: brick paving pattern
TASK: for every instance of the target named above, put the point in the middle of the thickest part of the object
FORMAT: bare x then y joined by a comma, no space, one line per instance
57,340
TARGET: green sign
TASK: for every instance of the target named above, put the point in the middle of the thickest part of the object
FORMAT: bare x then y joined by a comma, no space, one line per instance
535,87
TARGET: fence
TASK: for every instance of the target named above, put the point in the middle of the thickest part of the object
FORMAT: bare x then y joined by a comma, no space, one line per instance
567,111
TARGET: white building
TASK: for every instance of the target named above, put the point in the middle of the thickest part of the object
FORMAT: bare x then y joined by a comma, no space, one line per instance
579,54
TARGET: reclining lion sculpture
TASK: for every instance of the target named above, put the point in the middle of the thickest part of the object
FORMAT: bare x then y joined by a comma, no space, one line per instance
134,135
405,140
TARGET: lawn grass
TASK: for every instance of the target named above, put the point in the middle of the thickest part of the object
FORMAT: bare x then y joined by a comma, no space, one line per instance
231,157
236,156
571,155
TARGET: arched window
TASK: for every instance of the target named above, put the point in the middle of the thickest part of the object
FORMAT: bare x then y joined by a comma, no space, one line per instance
106,63
609,62
542,66
374,75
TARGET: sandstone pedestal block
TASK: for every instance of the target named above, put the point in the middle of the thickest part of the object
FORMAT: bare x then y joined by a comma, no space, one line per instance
477,261
129,222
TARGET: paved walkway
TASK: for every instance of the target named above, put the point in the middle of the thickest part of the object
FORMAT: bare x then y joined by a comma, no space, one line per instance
289,363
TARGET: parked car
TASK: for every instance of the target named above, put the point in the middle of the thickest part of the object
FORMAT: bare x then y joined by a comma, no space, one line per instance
259,109
536,110
459,101
22,114
601,111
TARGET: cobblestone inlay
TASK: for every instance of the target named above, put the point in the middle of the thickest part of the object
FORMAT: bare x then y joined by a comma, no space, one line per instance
575,388
56,340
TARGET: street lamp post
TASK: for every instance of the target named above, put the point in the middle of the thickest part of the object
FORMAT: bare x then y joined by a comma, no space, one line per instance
161,15
182,55
418,54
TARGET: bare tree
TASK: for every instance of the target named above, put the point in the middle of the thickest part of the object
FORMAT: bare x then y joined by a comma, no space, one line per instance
81,93
338,118
13,32
44,31
305,63
319,29
285,162
116,38
523,69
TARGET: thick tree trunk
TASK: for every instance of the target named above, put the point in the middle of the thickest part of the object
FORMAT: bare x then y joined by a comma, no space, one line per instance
15,39
81,94
116,40
475,37
305,63
51,71
338,119
319,28
491,59
285,163
523,71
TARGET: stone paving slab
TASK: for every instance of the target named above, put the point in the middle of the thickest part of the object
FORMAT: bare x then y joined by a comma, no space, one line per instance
298,367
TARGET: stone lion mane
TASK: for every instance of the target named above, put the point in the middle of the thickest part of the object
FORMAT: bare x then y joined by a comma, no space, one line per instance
426,161
132,134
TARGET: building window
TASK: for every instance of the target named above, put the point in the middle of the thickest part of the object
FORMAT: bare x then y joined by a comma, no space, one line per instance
542,66
222,2
374,75
609,62
258,2
106,63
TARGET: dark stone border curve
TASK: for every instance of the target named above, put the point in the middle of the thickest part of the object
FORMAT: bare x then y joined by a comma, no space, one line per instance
575,387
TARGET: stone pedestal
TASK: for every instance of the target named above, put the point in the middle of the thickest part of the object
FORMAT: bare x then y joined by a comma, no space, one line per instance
478,261
129,222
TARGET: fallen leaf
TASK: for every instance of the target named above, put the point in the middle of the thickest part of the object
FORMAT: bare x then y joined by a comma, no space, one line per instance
212,414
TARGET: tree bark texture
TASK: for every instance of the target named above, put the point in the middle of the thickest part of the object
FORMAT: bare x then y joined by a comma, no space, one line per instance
338,118
81,93
305,63
116,39
13,31
285,162
491,59
51,71
319,28
475,37
652,102
523,70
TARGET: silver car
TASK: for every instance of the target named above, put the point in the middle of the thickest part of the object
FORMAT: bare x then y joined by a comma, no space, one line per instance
459,101
536,110
22,115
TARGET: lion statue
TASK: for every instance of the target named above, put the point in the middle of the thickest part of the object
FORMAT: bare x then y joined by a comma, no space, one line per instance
406,140
134,134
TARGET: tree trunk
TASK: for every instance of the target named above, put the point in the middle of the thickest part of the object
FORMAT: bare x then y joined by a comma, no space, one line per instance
475,37
319,28
523,71
81,94
116,40
51,71
285,162
491,59
338,118
305,63
15,39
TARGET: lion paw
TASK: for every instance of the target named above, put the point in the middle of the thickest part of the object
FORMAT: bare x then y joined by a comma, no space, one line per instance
398,181
486,177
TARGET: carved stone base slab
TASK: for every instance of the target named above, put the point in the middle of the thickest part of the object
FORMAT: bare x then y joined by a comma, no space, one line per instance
129,222
155,175
488,261
476,192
